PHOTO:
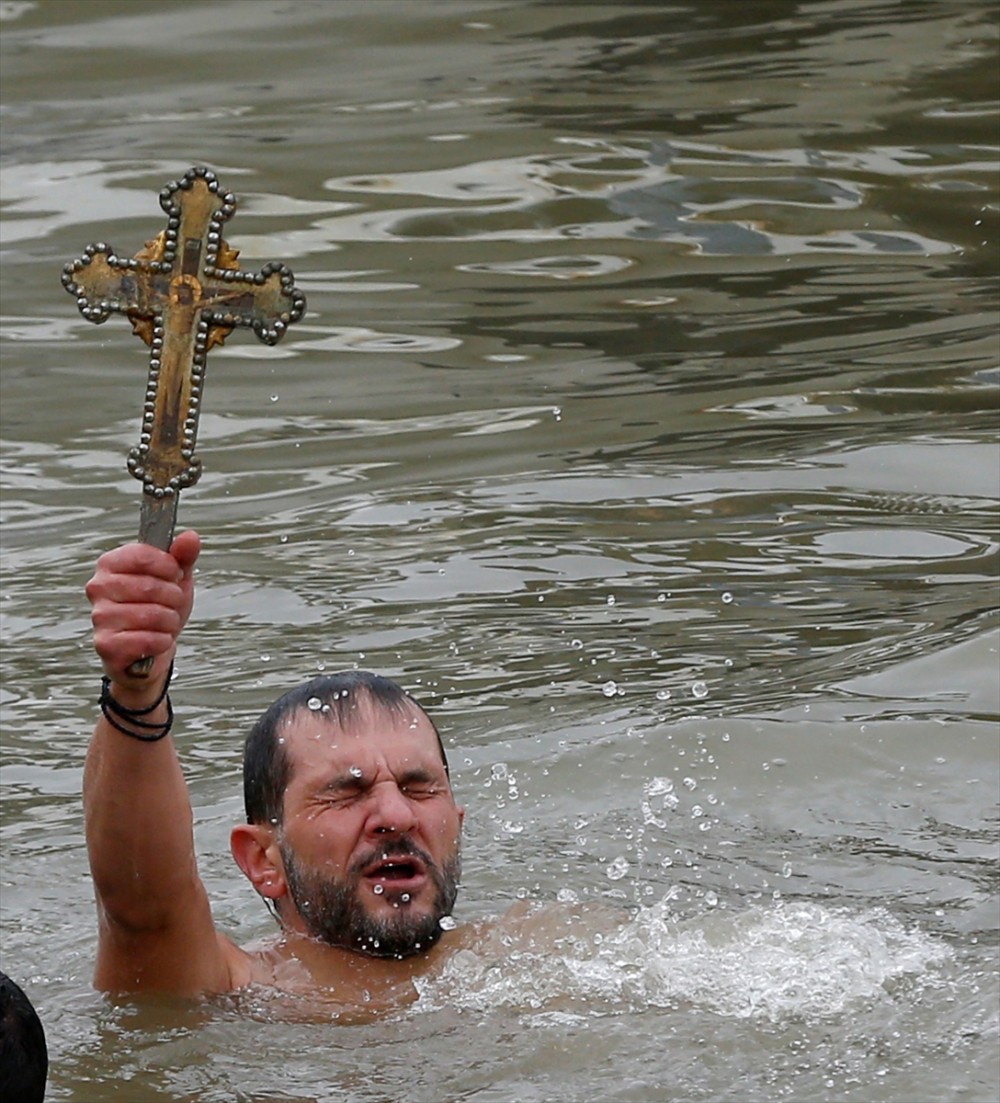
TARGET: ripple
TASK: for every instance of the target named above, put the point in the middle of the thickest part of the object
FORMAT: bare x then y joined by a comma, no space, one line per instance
554,267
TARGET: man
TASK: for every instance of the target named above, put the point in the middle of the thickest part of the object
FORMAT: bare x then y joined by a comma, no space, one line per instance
352,834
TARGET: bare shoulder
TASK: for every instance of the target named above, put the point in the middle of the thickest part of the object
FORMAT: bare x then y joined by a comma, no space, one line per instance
261,963
242,963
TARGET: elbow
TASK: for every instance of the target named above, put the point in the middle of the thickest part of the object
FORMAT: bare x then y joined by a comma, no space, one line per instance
130,905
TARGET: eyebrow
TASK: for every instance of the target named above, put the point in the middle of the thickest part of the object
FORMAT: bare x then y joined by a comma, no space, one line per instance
418,774
348,782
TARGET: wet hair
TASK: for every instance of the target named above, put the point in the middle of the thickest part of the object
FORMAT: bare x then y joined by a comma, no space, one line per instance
267,768
24,1056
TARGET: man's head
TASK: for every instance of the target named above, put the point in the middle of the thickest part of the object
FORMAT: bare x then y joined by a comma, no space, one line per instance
353,831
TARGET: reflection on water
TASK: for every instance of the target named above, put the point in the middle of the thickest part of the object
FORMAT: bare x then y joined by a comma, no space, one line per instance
644,423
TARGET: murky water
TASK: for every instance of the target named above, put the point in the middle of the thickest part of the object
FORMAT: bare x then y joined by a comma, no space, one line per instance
644,422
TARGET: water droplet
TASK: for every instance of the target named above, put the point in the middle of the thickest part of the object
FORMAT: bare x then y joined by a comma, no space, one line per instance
265,658
567,896
355,771
611,599
314,703
283,538
609,689
711,899
405,898
658,798
690,783
378,890
661,597
576,644
447,923
274,398
499,770
617,869
727,598
557,413
699,690
663,695
786,869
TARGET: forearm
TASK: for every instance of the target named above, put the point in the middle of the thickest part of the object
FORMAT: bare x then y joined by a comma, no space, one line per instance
139,828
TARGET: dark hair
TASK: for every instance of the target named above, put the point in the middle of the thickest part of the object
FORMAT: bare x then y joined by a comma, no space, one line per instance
267,768
24,1057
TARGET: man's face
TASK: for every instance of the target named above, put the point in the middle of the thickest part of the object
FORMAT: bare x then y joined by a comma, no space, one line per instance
370,837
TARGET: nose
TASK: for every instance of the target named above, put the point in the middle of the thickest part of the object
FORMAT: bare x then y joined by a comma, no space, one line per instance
390,813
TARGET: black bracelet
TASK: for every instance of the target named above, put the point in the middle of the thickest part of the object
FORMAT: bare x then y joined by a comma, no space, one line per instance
114,711
157,731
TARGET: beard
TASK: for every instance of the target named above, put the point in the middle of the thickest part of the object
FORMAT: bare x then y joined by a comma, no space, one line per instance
333,912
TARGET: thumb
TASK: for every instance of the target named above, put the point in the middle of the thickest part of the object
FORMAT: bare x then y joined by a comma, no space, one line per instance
186,549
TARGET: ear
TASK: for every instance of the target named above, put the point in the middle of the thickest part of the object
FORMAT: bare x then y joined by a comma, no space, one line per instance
256,852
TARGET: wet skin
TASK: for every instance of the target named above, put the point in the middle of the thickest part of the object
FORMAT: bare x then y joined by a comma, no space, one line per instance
368,809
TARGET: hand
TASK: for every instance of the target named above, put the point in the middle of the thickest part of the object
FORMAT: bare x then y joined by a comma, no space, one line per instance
141,598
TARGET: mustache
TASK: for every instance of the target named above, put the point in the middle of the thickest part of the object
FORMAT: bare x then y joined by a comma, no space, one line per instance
397,848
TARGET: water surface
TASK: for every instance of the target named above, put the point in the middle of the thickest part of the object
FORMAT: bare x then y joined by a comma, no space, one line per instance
644,423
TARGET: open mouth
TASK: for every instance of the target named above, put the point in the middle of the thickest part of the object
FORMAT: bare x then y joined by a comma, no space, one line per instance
396,874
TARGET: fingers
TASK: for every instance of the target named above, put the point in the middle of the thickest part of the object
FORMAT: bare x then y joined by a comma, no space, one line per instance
141,597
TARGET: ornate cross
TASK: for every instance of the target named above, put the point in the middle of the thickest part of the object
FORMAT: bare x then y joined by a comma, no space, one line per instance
183,294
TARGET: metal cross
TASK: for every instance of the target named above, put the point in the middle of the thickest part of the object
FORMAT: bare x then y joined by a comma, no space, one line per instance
183,294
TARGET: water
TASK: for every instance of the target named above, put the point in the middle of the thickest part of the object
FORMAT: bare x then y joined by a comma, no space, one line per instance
650,347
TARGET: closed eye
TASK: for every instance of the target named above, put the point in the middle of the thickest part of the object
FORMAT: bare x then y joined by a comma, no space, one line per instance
343,791
419,791
419,784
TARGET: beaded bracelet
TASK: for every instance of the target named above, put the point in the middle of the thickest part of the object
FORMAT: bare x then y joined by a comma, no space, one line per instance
113,709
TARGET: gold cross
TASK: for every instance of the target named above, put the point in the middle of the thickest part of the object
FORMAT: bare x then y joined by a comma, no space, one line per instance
183,294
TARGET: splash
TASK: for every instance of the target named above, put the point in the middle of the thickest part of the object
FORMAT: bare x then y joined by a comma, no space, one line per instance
788,960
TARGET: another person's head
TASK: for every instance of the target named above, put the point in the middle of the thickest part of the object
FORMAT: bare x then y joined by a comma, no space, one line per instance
352,829
24,1057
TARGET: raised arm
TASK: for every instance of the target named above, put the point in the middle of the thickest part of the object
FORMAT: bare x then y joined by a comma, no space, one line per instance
155,925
